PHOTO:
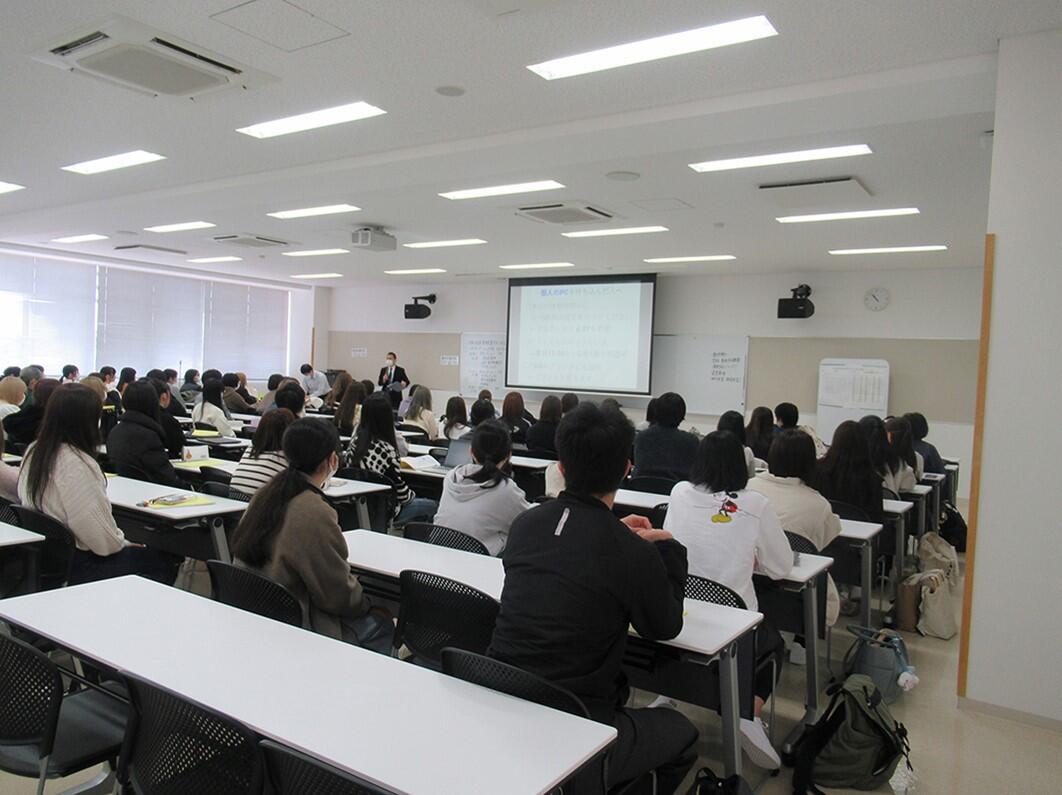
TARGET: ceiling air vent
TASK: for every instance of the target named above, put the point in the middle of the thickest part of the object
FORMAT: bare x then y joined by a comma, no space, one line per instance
250,241
132,55
145,247
830,192
565,213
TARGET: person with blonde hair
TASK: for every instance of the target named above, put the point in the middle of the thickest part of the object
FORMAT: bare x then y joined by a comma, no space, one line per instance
12,394
97,386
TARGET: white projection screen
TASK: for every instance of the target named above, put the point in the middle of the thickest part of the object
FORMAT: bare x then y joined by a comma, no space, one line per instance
590,334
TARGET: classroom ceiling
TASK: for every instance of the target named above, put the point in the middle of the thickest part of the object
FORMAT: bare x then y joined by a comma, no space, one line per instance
915,81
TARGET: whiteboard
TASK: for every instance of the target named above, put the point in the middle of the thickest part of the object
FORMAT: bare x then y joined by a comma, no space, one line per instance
850,389
482,362
708,371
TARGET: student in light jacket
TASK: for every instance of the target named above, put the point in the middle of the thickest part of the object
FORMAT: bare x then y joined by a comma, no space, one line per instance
481,498
211,410
419,413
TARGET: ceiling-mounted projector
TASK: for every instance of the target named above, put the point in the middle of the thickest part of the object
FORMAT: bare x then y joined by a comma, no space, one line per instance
799,306
417,311
373,238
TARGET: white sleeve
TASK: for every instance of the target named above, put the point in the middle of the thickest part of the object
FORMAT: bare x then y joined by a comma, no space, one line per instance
87,508
774,556
223,426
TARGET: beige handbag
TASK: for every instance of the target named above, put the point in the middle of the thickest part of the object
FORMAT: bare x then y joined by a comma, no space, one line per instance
937,616
936,553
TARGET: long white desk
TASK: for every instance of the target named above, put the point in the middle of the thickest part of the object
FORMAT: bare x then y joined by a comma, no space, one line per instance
920,495
708,630
520,461
400,726
11,536
861,535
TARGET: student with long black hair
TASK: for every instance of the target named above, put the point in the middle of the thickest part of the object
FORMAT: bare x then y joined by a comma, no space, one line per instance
291,534
902,441
895,475
733,422
543,434
919,431
481,498
125,378
137,445
348,413
211,409
191,385
759,433
171,428
455,423
481,411
23,426
846,472
264,459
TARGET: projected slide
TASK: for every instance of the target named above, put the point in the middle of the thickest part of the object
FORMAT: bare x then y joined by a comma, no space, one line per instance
591,334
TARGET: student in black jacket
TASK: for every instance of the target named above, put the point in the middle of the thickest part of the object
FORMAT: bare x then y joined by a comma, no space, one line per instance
171,428
577,577
542,435
663,450
137,445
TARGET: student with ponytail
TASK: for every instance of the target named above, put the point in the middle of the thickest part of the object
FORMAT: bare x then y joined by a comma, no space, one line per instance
291,535
480,498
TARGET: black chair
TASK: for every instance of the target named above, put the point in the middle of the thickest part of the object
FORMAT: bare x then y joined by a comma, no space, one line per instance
172,746
443,443
650,484
56,556
248,590
215,489
290,772
204,426
437,612
658,515
239,496
444,537
44,734
215,475
381,505
517,682
7,516
889,494
542,455
800,544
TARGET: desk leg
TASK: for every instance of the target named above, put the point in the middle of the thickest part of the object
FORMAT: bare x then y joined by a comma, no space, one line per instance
866,559
901,551
221,541
920,506
362,507
938,495
728,704
811,671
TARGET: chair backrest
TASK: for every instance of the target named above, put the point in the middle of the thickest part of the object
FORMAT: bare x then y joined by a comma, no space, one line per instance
437,612
658,515
7,516
543,455
705,590
889,494
248,590
215,489
215,475
239,496
31,693
173,746
845,510
205,426
800,544
56,556
444,537
650,484
132,471
293,773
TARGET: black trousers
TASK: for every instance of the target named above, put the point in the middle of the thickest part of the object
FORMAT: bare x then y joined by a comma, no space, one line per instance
660,739
151,563
769,643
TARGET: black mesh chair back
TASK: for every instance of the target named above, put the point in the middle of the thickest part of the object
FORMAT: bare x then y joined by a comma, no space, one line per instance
444,537
650,484
133,472
215,475
56,556
439,454
31,693
172,746
204,426
505,678
800,544
437,612
889,494
293,773
215,489
705,590
248,590
239,496
845,510
7,515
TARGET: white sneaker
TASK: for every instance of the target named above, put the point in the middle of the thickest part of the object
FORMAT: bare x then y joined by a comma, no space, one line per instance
798,655
662,701
756,743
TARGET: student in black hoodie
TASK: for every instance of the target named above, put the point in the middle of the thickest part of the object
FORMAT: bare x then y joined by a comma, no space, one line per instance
22,426
577,577
137,445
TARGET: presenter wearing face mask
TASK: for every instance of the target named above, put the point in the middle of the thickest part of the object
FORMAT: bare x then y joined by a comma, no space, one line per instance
393,380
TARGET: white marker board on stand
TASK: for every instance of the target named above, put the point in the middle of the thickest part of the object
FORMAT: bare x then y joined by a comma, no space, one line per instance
708,371
482,363
850,389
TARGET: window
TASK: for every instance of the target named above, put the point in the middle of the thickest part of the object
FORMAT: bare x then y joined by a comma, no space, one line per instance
246,328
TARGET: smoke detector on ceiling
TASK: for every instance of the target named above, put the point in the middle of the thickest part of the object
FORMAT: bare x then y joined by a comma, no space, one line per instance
565,213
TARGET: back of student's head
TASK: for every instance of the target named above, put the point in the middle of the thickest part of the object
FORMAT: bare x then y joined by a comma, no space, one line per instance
370,386
919,425
230,380
171,375
569,400
353,397
456,413
274,382
491,447
882,454
650,411
212,390
901,439
290,396
734,422
308,445
670,410
190,375
846,465
340,386
12,371
43,391
481,410
269,435
419,403
720,463
71,417
594,448
155,374
550,410
792,455
126,377
95,383
610,403
306,369
30,374
513,407
211,374
761,422
141,396
70,371
377,424
12,390
485,394
787,415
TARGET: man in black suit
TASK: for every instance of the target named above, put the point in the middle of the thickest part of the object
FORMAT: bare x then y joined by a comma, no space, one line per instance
393,379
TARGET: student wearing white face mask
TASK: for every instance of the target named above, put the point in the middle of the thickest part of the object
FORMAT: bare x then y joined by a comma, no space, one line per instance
393,379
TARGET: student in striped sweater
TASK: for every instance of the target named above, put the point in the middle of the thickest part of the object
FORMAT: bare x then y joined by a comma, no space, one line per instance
264,459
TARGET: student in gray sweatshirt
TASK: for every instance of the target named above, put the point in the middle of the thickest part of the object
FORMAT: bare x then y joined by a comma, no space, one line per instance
480,498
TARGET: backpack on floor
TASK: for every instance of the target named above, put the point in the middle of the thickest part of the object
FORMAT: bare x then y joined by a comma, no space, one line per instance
856,743
953,527
708,783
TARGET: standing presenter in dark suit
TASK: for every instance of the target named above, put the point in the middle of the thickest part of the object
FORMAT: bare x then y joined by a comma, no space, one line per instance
393,380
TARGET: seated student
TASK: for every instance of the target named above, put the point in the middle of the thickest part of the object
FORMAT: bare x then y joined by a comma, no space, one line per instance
210,375
730,532
210,410
788,415
291,397
902,441
14,370
266,402
481,498
662,450
419,413
481,411
919,430
109,376
30,377
71,375
109,417
290,534
455,423
244,390
22,426
8,476
125,378
542,435
895,474
485,394
172,384
191,385
403,406
569,400
137,445
759,433
800,508
172,430
232,399
12,394
61,478
264,459
513,416
733,422
348,413
650,416
374,448
577,578
846,473
340,385
313,382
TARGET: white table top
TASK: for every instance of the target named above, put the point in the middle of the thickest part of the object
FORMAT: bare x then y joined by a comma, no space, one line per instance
808,567
952,467
11,458
524,462
11,536
859,531
896,506
126,493
935,477
950,459
920,490
230,442
640,499
398,725
706,628
339,488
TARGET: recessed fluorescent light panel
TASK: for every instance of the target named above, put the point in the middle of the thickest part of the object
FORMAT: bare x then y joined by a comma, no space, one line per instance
79,239
846,216
469,241
535,265
307,212
780,158
839,252
183,227
503,190
697,40
10,187
317,276
208,260
315,252
415,271
706,258
628,230
341,114
126,159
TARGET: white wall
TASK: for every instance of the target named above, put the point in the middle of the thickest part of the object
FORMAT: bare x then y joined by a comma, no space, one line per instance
300,323
1015,644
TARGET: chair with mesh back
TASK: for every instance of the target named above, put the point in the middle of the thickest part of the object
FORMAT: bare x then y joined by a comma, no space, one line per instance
889,494
541,455
517,682
247,590
437,612
7,516
44,734
658,515
291,772
239,496
444,537
172,746
215,489
56,556
215,475
650,484
800,544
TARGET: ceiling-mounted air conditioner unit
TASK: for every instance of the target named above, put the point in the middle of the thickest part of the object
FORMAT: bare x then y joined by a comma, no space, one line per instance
573,212
132,55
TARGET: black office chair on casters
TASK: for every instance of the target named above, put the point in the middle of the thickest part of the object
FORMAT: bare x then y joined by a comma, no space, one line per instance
291,772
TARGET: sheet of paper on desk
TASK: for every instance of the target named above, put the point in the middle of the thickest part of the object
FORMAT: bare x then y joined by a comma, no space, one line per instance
418,462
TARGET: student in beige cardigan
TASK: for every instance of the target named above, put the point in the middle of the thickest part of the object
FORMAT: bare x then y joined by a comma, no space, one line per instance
291,535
